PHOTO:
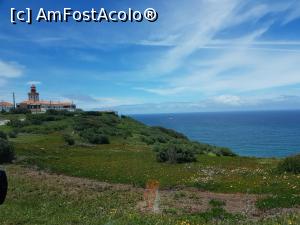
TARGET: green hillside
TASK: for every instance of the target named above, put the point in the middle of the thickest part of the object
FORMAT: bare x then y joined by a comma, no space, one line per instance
61,154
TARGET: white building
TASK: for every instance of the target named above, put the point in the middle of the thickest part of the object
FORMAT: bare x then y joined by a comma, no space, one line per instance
6,106
35,105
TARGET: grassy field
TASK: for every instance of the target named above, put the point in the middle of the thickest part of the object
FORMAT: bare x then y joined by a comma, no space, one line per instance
36,197
134,164
54,183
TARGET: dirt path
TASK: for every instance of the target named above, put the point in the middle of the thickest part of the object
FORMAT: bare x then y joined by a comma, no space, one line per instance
179,201
192,201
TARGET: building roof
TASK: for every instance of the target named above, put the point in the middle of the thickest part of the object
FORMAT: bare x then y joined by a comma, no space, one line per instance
6,104
53,103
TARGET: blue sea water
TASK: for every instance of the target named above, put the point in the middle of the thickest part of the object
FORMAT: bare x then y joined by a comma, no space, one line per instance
259,134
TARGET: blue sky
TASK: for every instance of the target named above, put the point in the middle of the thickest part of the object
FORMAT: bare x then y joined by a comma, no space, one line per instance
201,55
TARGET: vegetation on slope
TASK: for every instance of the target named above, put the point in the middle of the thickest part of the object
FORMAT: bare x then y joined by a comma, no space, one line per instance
6,149
100,128
59,142
290,164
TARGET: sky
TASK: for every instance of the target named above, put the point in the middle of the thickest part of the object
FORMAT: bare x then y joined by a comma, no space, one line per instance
200,55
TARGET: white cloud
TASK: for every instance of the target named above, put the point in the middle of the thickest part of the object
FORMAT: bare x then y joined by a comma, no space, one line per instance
215,103
239,71
294,13
196,27
228,100
34,82
112,102
163,91
92,102
260,70
10,69
239,65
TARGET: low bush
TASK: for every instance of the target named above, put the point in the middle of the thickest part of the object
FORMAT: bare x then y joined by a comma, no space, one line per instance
147,140
39,119
217,203
92,113
46,128
13,134
3,112
59,113
290,164
16,123
83,124
219,214
171,133
154,138
3,135
222,151
69,139
36,122
284,200
173,153
97,113
20,111
98,139
6,151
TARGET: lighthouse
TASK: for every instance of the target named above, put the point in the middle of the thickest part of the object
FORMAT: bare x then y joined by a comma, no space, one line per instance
36,106
33,95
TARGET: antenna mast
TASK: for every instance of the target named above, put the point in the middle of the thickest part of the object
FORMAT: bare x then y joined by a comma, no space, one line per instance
14,100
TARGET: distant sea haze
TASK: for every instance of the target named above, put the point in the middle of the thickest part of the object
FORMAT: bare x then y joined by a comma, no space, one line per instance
259,134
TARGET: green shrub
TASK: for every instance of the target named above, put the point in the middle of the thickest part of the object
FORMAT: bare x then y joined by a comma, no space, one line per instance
34,119
92,113
171,133
6,151
98,139
20,111
217,203
196,147
147,140
84,124
284,200
13,134
87,133
45,128
97,113
69,139
59,113
219,214
290,164
154,138
173,153
222,151
16,123
39,119
3,135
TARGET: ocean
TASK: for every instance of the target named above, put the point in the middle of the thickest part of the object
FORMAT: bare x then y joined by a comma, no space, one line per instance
258,134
